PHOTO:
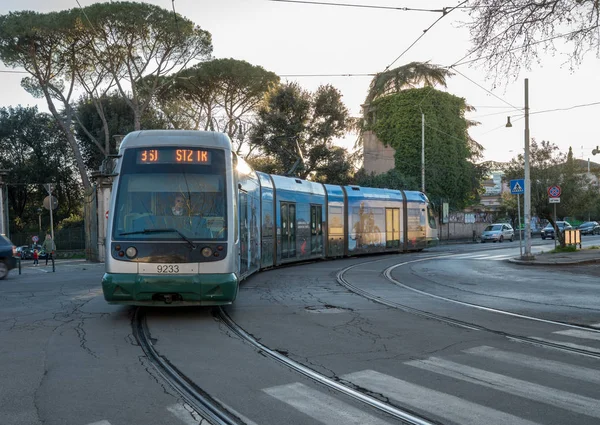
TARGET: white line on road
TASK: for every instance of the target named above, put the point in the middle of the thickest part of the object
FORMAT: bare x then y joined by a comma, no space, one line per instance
320,406
577,333
186,414
518,387
102,423
530,362
568,344
446,406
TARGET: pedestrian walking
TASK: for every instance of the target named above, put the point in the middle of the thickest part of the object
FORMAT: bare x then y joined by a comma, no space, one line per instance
36,256
50,247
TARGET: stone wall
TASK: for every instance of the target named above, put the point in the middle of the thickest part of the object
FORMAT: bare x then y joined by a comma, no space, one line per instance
460,231
377,157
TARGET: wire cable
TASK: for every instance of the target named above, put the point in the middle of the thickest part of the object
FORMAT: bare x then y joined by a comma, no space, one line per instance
319,3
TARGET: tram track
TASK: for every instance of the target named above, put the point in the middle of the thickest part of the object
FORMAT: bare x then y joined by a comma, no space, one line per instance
468,325
198,399
402,415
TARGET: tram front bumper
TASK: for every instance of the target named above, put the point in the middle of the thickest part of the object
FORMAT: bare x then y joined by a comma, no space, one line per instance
171,290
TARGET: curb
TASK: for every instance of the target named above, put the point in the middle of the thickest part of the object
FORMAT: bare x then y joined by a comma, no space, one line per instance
553,263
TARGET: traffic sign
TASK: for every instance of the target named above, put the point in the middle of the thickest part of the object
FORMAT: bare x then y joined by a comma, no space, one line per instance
554,191
554,200
35,239
517,187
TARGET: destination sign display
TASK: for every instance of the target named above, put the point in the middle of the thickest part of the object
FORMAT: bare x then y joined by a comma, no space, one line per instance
173,156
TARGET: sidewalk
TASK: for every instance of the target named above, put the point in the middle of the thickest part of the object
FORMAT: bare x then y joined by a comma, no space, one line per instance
582,256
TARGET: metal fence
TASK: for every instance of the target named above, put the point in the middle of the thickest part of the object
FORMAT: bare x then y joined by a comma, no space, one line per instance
70,239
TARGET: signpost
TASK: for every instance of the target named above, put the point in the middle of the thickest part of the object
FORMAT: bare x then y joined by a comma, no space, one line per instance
554,198
517,187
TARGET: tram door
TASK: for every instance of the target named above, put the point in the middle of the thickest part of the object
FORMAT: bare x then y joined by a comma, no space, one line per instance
316,229
392,227
288,230
244,239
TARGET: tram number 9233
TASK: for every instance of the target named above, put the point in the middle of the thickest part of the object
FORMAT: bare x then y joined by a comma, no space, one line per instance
167,268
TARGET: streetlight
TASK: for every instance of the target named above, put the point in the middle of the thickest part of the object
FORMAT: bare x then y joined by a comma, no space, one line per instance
527,193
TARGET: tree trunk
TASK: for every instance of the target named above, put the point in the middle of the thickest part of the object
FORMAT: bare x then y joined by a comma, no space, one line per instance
71,139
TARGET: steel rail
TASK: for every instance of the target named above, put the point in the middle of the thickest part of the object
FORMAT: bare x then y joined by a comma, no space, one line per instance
387,274
197,398
397,413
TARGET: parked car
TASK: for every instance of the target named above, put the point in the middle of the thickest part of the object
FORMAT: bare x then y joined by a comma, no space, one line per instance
589,228
497,233
24,252
548,231
8,260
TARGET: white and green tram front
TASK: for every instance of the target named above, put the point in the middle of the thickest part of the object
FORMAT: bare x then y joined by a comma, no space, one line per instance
170,236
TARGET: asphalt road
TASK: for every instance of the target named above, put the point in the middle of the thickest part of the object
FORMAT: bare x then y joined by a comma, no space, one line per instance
71,359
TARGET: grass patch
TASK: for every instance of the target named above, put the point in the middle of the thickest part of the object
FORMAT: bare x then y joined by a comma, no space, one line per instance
593,247
560,249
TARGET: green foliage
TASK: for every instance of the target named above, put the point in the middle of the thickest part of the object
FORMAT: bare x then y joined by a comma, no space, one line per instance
450,172
135,40
73,221
296,127
549,167
393,179
34,151
119,118
407,76
220,94
560,248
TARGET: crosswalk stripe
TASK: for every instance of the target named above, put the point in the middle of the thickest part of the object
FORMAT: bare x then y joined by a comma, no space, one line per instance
493,257
186,414
568,344
446,406
579,333
555,397
320,406
102,423
550,366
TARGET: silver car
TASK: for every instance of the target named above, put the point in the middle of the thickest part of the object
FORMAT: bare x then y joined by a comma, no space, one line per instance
497,233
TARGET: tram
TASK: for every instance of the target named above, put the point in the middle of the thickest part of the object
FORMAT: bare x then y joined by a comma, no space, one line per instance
189,220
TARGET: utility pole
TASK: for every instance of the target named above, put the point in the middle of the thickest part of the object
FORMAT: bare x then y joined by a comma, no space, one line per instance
527,207
422,152
3,215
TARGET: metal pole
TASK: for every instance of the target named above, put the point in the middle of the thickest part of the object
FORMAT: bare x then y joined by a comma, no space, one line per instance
520,236
422,152
527,200
555,227
51,205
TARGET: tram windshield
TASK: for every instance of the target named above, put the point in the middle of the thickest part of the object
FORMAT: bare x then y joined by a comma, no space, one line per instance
155,196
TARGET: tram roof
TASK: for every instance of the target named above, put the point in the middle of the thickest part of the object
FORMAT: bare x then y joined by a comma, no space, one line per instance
145,138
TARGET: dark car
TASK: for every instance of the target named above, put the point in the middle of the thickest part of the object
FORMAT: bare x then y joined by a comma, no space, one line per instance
24,252
8,260
589,228
548,231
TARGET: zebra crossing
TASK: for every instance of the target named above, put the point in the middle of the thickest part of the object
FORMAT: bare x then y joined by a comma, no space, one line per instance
453,407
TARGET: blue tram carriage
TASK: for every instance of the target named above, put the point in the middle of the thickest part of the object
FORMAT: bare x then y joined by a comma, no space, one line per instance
237,221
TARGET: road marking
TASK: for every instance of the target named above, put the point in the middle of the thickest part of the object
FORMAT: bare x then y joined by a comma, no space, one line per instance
320,406
104,423
186,414
568,344
530,362
596,325
577,333
446,406
499,257
552,396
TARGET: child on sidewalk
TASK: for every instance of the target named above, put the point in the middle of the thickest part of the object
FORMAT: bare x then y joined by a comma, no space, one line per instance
36,256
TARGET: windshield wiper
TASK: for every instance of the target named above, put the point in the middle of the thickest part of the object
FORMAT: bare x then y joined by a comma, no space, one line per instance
170,230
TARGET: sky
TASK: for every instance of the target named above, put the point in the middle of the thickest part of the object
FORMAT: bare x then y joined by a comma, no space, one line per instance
293,39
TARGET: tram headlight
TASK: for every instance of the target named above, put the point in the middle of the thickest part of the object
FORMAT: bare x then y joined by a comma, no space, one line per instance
131,252
207,252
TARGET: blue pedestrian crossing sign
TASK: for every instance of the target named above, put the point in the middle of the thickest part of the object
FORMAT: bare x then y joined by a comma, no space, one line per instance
517,187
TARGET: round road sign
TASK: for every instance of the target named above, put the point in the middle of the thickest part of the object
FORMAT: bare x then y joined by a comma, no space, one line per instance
554,191
35,239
